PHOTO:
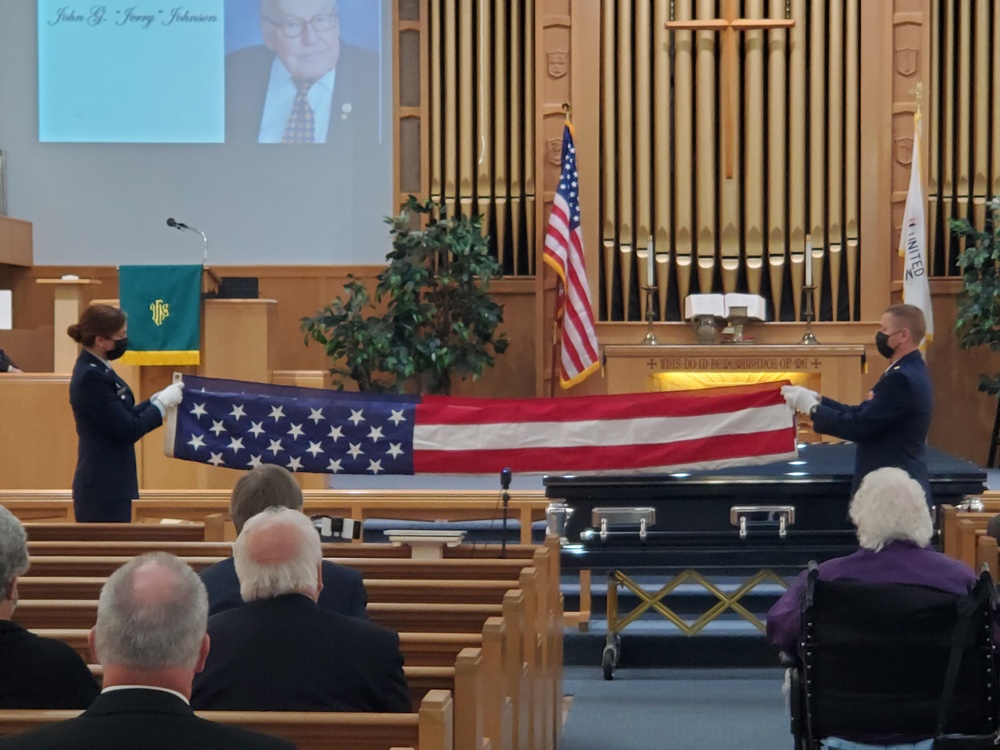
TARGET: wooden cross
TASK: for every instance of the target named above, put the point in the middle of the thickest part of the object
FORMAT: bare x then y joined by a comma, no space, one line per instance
729,24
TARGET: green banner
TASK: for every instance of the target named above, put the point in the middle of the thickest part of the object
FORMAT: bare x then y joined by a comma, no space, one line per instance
163,304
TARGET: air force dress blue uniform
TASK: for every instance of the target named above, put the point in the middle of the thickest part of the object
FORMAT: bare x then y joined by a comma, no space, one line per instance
108,423
890,427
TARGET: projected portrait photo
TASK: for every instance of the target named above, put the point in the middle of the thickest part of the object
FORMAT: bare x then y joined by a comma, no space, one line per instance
303,71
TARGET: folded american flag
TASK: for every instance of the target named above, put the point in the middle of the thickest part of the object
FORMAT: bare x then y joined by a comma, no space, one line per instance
241,425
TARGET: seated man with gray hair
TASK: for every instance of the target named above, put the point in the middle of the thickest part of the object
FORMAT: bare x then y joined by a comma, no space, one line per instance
269,486
282,652
150,638
36,672
894,531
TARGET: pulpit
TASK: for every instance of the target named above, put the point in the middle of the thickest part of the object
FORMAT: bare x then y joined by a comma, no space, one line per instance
237,341
67,306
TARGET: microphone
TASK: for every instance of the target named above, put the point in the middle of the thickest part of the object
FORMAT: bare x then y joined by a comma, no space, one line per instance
171,222
180,225
505,479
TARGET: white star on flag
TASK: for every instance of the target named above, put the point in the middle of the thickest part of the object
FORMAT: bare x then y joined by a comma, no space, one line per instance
357,416
216,459
395,450
296,431
397,417
334,467
375,433
375,466
336,433
217,428
255,462
275,447
237,412
314,448
236,444
355,450
196,441
316,415
277,412
199,411
295,464
257,429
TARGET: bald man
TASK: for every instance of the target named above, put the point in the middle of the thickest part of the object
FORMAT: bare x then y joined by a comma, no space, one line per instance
282,652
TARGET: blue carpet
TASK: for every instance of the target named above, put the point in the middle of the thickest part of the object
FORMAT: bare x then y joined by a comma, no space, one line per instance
676,709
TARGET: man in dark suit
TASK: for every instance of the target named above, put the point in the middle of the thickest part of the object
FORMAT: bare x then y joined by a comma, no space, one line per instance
150,638
303,85
269,486
281,652
6,363
36,672
890,426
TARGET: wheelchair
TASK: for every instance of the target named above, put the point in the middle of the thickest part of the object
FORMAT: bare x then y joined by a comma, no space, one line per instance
872,658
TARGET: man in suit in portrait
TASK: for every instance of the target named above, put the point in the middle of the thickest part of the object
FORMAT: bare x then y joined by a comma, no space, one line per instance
280,651
890,426
37,672
269,486
150,639
303,85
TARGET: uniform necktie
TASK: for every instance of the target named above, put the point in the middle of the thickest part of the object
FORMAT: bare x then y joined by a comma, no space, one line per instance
301,124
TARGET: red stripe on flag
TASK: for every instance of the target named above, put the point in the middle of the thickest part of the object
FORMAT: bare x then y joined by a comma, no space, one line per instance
465,411
612,458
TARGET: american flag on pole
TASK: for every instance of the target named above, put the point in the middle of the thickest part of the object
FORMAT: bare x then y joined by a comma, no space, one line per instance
913,240
242,425
564,254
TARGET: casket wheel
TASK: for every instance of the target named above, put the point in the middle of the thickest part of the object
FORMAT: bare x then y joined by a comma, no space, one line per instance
609,660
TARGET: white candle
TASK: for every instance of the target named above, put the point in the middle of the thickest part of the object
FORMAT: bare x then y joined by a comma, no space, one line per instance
650,253
809,261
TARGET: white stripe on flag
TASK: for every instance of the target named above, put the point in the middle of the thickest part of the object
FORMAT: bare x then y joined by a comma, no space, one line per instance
603,432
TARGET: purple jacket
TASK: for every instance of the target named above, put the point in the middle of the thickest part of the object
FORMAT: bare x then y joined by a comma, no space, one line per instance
897,562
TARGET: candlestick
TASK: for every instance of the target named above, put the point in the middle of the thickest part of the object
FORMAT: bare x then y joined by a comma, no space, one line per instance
808,314
650,255
809,261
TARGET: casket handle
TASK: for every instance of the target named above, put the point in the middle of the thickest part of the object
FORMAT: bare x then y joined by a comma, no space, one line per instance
741,516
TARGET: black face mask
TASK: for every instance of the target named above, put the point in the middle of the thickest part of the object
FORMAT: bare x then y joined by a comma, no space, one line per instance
882,344
121,346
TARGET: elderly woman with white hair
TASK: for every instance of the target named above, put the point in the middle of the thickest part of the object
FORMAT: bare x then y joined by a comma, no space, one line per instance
894,533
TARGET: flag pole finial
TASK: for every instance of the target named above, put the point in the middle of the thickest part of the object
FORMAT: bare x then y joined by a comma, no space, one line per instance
918,92
567,109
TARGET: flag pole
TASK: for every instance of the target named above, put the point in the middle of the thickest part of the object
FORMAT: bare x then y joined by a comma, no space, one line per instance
557,316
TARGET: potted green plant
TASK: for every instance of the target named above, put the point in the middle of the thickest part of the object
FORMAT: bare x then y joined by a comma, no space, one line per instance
439,322
978,320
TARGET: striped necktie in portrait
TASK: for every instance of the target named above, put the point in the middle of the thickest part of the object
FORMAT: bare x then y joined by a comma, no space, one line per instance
301,124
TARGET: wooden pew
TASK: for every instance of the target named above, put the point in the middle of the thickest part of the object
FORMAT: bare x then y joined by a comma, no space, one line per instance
422,617
191,531
419,649
201,548
406,505
536,685
431,728
379,590
399,568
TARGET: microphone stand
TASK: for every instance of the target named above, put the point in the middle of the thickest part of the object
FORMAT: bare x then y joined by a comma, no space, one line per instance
505,497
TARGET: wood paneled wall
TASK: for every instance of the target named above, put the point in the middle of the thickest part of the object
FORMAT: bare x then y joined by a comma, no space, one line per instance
300,291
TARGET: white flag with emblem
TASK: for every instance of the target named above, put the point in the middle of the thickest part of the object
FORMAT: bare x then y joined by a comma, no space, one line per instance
913,240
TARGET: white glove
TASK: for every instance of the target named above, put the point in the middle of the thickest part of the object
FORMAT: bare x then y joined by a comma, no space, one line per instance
169,397
799,398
